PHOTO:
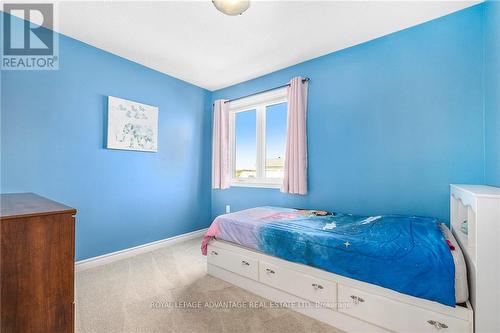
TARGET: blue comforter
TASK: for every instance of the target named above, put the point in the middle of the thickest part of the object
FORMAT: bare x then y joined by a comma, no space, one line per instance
407,254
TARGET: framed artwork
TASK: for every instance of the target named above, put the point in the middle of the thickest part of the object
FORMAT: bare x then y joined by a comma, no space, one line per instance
132,125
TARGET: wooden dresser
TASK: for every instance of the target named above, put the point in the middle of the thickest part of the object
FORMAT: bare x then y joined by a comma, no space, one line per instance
37,264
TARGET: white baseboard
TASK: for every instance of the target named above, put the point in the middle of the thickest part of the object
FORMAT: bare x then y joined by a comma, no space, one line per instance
107,258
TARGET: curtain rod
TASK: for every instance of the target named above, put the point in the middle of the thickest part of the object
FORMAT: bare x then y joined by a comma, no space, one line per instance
263,91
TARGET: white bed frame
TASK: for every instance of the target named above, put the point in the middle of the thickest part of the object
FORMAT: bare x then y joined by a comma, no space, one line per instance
480,206
355,306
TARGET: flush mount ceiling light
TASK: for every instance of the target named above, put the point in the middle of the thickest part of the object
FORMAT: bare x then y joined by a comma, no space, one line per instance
231,7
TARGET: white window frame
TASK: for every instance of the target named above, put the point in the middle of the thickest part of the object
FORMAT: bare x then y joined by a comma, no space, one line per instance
258,103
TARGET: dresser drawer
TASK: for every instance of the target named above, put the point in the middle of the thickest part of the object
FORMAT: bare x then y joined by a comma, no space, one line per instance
394,315
298,284
233,262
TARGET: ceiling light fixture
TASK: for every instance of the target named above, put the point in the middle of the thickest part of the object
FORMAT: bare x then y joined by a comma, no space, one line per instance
231,7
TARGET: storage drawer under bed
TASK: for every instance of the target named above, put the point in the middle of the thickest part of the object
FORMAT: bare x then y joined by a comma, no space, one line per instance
394,315
302,285
233,262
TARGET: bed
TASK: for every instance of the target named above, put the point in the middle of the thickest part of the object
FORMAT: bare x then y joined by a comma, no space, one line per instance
409,254
357,273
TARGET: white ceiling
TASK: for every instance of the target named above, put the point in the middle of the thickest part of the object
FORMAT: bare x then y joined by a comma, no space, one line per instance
194,42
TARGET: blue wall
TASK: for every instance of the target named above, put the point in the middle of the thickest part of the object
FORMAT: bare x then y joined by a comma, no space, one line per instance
492,92
53,138
391,122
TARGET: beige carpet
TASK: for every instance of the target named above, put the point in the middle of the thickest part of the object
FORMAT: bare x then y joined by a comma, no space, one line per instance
159,291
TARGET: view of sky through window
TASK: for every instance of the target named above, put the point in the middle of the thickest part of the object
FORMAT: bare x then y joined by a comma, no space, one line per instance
273,152
275,140
246,144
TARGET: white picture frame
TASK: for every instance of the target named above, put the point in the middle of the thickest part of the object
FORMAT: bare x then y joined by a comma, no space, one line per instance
132,125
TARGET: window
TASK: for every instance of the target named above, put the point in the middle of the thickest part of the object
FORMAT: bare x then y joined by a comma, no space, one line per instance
257,130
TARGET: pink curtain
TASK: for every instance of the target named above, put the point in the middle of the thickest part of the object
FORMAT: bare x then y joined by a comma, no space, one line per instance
220,146
295,178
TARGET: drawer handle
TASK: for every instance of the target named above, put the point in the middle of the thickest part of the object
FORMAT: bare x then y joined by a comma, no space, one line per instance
270,271
357,299
215,253
437,324
317,286
245,263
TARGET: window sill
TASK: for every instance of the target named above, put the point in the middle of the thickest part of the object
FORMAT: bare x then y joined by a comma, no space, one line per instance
255,184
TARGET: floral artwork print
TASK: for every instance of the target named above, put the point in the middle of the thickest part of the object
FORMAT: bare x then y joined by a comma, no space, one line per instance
132,125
